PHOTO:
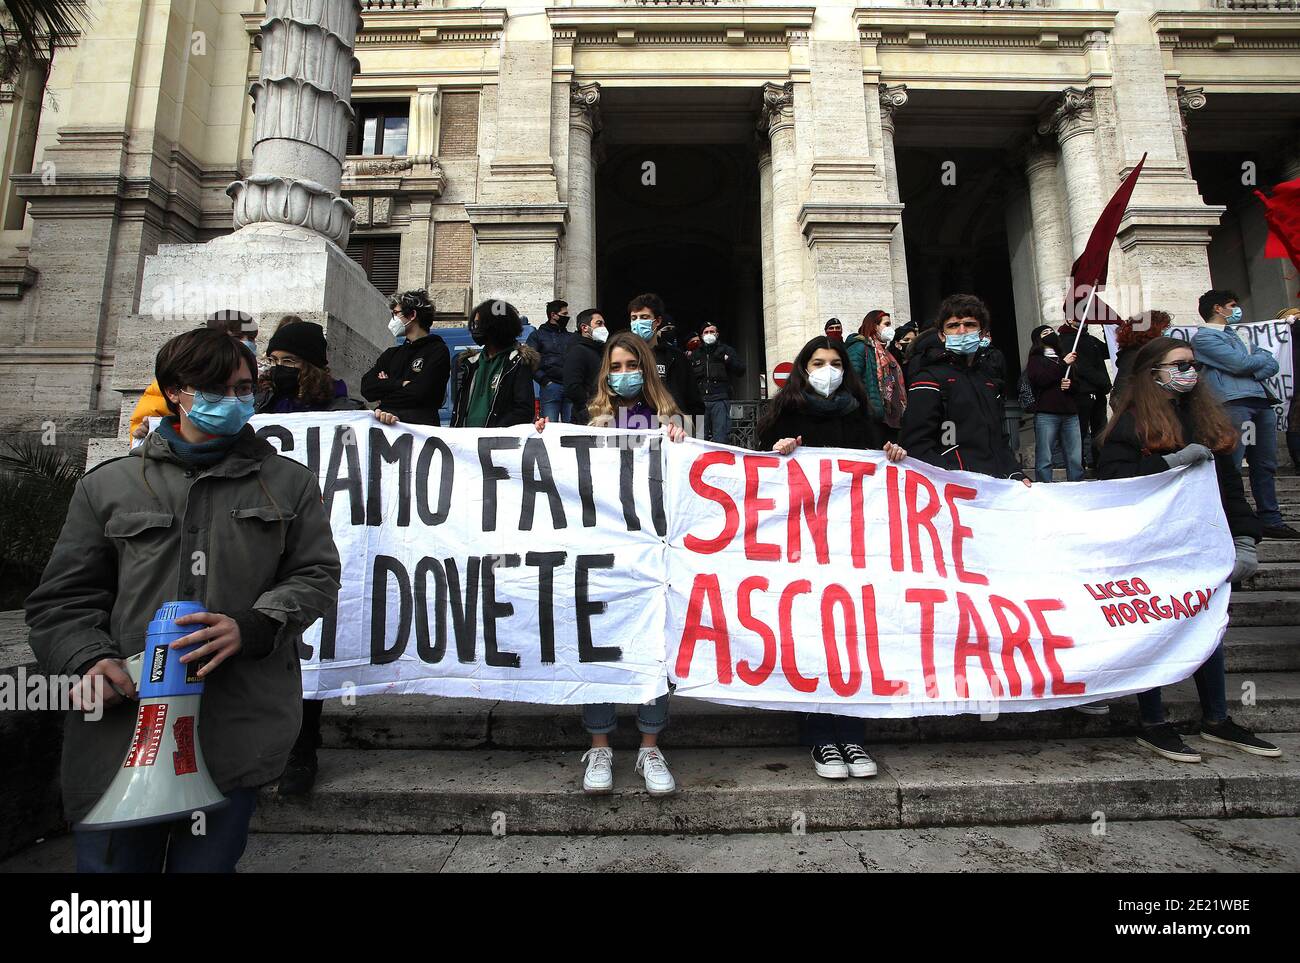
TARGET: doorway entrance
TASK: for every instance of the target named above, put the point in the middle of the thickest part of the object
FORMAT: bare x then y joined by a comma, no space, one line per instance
677,213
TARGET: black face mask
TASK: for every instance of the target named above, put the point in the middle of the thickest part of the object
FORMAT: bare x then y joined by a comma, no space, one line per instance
284,380
475,334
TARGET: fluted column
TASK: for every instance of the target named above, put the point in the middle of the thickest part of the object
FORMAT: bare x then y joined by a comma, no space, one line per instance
766,250
303,114
1073,123
580,243
791,322
1051,245
891,100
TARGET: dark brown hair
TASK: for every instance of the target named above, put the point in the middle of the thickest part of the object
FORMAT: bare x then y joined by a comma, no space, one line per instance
203,358
1155,419
791,395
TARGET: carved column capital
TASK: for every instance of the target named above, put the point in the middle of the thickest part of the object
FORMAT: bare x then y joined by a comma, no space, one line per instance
1189,99
777,110
1072,114
584,105
892,100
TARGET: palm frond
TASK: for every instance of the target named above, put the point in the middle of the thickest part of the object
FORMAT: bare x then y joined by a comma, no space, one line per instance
55,466
29,30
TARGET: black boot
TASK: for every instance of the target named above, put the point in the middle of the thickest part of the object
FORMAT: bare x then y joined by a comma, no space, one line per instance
300,772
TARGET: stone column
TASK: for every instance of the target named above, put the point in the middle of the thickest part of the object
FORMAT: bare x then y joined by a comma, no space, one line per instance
891,100
580,240
1073,124
766,250
285,256
784,332
302,116
1051,240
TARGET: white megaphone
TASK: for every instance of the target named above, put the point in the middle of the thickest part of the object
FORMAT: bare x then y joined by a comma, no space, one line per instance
163,777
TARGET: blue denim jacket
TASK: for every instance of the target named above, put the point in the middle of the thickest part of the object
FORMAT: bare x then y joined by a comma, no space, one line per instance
1233,370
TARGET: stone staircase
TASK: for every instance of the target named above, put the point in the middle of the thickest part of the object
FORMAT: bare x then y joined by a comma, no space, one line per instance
402,776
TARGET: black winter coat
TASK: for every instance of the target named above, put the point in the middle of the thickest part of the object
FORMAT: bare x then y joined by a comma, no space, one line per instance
1045,376
551,342
712,373
1089,372
513,399
854,430
675,371
1125,456
581,369
947,389
416,382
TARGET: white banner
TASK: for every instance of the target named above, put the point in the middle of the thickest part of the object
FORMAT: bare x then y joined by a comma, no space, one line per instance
1274,336
493,564
590,565
831,581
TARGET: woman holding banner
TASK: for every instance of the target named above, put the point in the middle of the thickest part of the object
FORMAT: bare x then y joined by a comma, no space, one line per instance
824,404
629,394
1167,418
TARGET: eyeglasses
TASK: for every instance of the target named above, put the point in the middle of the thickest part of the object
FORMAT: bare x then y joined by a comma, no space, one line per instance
243,390
1182,366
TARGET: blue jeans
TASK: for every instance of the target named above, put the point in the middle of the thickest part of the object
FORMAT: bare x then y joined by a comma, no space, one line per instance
1211,686
1048,429
601,718
555,406
824,728
717,420
1263,455
171,847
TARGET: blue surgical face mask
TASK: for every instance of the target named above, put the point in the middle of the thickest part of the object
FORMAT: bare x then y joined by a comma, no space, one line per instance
1235,316
985,342
967,343
251,345
626,384
226,416
643,328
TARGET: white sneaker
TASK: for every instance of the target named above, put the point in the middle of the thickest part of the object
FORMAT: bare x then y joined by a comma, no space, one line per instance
859,763
598,780
650,762
1093,709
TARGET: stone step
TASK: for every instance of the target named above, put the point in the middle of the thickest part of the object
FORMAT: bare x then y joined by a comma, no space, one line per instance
1274,577
432,723
775,790
1275,550
1264,608
1274,648
1142,846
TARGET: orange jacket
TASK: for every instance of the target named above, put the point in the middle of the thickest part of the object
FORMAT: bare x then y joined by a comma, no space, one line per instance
151,404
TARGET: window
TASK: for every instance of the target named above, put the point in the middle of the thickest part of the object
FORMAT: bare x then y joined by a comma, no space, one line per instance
378,257
381,127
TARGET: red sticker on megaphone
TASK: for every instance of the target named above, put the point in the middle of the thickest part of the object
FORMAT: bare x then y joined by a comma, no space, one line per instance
183,758
148,735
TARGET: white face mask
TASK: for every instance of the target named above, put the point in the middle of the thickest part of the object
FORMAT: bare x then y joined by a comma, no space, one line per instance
825,380
600,335
885,333
710,339
396,326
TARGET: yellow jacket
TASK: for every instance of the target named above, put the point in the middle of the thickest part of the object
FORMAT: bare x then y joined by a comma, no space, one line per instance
151,404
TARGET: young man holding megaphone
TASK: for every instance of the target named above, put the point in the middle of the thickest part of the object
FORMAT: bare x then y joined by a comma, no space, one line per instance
206,513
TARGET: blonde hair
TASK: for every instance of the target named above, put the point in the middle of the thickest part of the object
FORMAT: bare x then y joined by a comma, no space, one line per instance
604,403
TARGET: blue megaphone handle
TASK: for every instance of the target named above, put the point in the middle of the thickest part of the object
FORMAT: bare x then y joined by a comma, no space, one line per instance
161,673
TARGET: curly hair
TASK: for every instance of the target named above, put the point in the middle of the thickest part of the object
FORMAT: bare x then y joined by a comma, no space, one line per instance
415,302
315,385
1141,328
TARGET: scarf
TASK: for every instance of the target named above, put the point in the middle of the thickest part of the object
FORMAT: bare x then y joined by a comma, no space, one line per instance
204,454
889,378
836,406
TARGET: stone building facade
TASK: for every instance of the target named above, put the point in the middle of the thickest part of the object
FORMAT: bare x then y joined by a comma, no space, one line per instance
761,165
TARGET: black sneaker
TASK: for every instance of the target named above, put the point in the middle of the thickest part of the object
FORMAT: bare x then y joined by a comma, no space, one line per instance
1228,733
829,763
1283,531
300,773
1165,740
859,763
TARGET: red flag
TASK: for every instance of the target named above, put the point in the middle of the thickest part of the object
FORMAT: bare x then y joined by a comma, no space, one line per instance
1282,212
1089,272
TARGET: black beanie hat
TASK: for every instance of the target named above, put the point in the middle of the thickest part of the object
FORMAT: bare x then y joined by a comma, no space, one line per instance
833,321
306,339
